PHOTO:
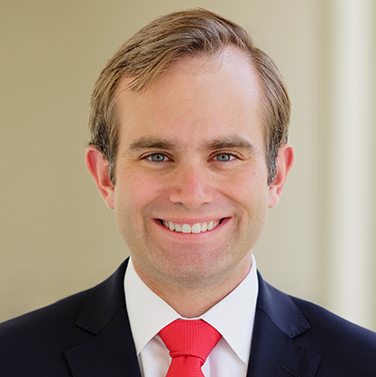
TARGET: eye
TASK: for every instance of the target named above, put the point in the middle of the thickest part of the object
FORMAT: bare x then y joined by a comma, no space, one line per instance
224,157
157,157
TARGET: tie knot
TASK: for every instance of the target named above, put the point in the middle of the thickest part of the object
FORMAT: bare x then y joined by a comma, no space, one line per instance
190,338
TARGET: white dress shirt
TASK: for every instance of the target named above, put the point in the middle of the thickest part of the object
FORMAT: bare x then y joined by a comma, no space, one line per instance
232,317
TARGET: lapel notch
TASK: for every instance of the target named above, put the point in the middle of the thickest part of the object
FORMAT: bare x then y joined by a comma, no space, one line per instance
111,350
275,352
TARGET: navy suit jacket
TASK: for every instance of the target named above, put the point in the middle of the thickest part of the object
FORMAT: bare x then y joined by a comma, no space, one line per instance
88,335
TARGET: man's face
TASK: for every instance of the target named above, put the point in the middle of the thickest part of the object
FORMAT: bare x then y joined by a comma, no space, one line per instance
191,194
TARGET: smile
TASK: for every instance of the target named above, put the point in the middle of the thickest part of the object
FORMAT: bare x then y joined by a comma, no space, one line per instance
195,228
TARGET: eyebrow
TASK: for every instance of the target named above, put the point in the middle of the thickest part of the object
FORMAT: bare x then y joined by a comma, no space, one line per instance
151,143
234,142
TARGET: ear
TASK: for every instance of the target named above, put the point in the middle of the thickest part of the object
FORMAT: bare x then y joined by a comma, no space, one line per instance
97,165
285,160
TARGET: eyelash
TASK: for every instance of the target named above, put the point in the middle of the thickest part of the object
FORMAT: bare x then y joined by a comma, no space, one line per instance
166,158
230,155
149,157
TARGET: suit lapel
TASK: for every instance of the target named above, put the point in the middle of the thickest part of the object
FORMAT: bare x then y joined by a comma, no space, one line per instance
111,350
275,351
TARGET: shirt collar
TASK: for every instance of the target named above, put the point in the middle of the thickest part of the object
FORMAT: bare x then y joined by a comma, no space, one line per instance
233,316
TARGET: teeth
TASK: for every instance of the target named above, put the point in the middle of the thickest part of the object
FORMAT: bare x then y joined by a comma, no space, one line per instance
186,228
195,228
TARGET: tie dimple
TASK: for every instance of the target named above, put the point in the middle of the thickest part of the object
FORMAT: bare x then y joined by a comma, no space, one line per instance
190,343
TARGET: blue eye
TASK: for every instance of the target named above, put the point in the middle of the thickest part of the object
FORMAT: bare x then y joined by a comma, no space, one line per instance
223,157
157,157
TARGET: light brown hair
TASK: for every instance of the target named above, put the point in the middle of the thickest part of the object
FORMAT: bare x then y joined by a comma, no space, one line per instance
149,53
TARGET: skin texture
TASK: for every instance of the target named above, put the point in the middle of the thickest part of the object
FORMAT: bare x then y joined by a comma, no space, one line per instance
192,150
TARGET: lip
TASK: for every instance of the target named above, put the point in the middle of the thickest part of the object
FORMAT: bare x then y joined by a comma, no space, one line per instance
191,221
222,222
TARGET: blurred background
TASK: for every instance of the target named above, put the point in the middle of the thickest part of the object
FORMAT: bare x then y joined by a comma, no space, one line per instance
57,236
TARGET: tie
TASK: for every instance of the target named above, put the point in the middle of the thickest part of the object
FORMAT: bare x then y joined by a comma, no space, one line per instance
189,343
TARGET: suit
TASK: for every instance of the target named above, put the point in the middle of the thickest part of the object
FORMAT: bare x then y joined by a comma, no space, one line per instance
88,335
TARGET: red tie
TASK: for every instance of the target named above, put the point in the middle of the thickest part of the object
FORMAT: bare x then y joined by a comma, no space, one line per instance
189,343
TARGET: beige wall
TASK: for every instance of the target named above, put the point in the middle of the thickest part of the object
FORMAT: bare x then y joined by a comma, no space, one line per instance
57,237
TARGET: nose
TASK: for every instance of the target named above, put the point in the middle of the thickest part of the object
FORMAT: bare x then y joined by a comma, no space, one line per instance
191,186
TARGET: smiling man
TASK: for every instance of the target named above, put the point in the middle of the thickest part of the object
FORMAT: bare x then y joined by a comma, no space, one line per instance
189,149
191,193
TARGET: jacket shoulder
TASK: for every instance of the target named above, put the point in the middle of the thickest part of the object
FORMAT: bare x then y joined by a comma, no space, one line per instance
323,321
37,340
345,348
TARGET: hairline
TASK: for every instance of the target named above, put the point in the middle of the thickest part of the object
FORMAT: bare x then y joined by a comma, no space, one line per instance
114,110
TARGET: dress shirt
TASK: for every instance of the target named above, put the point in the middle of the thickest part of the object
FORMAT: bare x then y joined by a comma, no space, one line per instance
233,317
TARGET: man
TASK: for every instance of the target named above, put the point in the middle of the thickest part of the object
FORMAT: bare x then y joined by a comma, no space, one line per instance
189,148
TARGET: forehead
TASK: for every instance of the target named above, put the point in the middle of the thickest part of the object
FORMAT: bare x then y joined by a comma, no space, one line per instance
195,97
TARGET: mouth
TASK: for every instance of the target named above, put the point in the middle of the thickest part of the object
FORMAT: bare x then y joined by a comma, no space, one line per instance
199,227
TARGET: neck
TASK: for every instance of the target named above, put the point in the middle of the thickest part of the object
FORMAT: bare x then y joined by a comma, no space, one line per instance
192,302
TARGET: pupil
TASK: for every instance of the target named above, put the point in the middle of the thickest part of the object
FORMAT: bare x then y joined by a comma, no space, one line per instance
223,157
157,157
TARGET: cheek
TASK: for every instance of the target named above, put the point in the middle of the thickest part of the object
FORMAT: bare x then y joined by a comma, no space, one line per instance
248,189
133,194
252,211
